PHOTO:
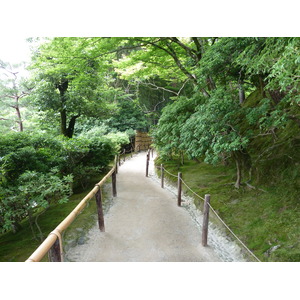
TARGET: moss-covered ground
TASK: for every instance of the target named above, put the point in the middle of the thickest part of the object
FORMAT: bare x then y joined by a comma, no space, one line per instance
266,219
17,247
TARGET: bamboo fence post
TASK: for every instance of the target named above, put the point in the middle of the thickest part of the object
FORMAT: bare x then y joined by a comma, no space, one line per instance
179,185
205,220
98,197
55,252
162,175
114,183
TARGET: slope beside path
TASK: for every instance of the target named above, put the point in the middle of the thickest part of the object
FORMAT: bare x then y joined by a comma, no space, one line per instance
143,225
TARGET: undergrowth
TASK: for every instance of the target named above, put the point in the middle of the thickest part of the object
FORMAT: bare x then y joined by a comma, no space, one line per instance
17,247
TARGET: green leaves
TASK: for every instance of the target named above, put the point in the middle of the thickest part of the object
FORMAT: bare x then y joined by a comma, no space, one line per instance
276,59
32,190
37,170
42,189
213,129
127,116
72,80
168,133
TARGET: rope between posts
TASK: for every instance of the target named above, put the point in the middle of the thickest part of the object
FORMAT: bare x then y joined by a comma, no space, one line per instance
213,212
158,167
192,190
170,173
221,220
233,232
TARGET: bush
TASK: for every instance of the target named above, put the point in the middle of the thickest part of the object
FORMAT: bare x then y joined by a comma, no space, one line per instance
27,162
118,140
31,192
22,152
13,141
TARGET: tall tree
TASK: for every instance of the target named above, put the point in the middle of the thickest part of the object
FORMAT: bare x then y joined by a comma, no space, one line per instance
71,82
13,88
255,94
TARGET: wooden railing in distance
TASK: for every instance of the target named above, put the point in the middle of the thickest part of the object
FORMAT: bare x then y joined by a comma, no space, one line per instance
53,242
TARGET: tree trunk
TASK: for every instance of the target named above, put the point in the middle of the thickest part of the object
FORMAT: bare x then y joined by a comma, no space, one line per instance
70,129
210,83
276,95
262,86
238,174
63,87
18,112
182,157
236,156
242,96
31,224
37,224
63,122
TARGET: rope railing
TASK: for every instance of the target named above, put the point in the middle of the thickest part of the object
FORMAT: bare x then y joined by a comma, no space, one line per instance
248,250
206,203
176,176
53,243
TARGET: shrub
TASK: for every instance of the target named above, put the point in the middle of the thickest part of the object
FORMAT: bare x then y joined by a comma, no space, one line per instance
37,168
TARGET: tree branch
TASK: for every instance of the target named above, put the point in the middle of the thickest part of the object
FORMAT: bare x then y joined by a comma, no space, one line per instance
199,47
179,64
191,52
167,90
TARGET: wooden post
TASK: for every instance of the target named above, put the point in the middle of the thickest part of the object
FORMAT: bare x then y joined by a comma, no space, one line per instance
179,188
147,163
131,152
114,183
205,220
152,152
162,175
119,159
54,254
124,152
98,197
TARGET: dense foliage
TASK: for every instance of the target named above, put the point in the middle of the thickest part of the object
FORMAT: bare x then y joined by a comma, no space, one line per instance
37,169
227,101
252,99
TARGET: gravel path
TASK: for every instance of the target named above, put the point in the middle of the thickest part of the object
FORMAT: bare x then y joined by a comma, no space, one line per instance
143,225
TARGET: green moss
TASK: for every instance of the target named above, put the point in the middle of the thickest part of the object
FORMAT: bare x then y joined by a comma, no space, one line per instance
17,247
262,218
253,99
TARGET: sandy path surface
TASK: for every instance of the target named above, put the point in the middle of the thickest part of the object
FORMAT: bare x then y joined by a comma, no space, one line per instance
143,225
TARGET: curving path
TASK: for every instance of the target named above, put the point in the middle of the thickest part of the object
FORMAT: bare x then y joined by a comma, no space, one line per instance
143,225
